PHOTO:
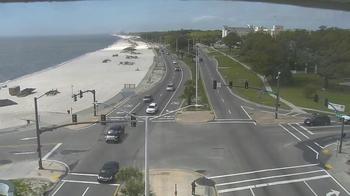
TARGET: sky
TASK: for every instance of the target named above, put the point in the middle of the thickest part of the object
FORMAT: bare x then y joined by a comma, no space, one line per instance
110,16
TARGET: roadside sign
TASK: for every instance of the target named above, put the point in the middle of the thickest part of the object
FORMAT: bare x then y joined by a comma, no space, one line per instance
338,107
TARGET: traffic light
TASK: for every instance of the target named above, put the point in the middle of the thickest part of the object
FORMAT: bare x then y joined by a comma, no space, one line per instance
133,120
246,84
81,94
103,119
75,97
230,84
215,84
326,102
74,118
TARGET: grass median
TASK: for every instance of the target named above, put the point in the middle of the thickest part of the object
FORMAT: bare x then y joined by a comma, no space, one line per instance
235,72
202,95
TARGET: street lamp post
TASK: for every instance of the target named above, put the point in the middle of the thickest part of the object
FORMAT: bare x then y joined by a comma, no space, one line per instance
277,94
146,157
38,132
196,75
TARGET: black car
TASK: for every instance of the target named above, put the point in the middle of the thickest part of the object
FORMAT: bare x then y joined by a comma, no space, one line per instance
148,99
317,120
108,171
115,133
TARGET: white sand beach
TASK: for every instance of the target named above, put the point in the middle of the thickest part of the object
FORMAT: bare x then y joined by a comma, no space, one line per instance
86,72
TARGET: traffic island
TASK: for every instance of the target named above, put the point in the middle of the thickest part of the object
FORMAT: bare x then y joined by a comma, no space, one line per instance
268,118
194,116
180,182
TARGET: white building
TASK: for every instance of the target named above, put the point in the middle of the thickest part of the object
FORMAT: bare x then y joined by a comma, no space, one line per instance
241,31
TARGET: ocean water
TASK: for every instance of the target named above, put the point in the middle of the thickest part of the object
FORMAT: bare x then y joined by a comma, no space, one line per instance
24,55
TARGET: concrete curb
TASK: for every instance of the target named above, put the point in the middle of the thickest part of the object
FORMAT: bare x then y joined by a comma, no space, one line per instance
54,186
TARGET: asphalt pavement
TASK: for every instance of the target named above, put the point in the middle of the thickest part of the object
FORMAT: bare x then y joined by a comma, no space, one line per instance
242,157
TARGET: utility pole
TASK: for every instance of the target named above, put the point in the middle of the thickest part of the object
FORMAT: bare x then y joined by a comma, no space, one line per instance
38,132
196,75
341,134
176,45
94,97
188,46
277,94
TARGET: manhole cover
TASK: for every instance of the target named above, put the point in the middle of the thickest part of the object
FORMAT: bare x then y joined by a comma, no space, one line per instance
4,162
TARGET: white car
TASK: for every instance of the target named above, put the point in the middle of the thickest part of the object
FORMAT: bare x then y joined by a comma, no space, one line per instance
170,87
174,62
152,108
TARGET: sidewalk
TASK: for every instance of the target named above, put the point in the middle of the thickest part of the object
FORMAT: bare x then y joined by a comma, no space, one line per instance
339,163
28,174
164,181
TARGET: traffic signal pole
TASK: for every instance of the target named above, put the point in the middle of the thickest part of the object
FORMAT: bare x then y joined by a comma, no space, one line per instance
341,134
277,95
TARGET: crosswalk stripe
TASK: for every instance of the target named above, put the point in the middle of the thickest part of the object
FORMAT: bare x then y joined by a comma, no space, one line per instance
272,184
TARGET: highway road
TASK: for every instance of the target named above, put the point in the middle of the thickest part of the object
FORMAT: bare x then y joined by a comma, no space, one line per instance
242,157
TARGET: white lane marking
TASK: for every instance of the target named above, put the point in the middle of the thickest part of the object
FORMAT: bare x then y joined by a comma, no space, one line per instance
232,122
54,193
134,107
232,119
174,93
53,150
86,190
289,132
28,138
308,186
305,129
313,151
264,170
87,182
269,177
273,183
246,113
298,131
163,121
324,127
82,174
319,145
341,186
24,153
251,190
229,111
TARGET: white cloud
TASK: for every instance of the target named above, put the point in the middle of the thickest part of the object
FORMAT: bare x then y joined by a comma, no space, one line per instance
205,18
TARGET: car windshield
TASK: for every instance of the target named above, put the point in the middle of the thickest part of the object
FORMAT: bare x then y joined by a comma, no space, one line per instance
179,97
